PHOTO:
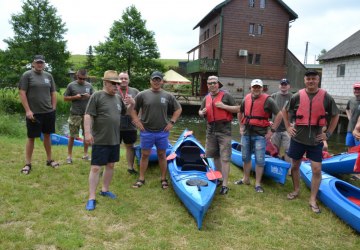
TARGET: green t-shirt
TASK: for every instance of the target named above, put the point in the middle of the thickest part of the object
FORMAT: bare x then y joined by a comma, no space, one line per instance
307,134
106,111
38,88
155,106
354,106
126,123
78,106
281,101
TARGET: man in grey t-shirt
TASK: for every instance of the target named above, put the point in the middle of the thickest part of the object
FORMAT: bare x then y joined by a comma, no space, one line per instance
38,96
78,93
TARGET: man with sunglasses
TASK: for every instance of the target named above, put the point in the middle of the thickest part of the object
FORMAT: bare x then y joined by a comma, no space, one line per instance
255,129
353,113
153,105
280,137
37,93
102,131
217,107
78,93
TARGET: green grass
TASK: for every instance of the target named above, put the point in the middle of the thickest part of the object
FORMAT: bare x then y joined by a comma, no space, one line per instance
45,210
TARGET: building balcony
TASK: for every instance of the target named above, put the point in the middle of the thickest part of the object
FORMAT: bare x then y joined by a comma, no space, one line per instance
202,65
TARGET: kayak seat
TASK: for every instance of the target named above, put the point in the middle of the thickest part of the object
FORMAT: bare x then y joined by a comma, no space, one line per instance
192,166
354,200
190,154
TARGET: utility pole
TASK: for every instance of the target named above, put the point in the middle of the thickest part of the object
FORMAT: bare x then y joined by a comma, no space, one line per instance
306,52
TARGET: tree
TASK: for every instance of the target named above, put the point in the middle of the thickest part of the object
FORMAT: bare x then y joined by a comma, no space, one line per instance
90,59
130,47
37,31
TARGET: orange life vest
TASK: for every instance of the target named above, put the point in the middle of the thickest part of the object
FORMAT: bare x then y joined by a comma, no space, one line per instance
212,112
306,114
254,113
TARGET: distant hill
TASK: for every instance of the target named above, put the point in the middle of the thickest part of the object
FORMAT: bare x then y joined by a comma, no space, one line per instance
78,60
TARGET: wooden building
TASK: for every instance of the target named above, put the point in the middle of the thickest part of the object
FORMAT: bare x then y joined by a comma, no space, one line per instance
240,40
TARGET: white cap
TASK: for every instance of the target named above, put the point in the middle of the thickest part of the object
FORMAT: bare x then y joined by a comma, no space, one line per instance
256,82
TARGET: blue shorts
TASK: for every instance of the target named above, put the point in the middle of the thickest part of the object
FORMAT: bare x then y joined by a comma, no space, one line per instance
350,140
149,139
297,151
253,144
104,154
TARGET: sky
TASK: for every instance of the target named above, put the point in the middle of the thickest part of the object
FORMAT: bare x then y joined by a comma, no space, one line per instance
321,23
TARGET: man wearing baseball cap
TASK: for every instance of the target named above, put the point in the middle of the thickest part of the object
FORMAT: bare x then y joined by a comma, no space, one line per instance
37,93
255,129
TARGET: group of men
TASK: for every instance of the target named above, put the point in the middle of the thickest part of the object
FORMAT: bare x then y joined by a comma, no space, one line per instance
115,113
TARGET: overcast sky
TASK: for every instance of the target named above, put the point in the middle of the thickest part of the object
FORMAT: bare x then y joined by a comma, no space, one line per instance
322,23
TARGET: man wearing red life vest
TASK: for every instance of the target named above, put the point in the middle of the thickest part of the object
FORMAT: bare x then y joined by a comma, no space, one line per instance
218,107
255,129
309,108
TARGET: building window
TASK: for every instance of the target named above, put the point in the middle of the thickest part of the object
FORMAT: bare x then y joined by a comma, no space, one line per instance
341,70
257,59
252,3
250,58
262,4
215,26
260,29
252,28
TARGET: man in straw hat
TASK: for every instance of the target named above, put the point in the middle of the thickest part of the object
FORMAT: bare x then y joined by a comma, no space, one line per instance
102,131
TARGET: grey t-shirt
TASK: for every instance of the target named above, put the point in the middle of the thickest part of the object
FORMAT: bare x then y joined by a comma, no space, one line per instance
106,111
78,106
38,88
354,106
155,106
126,123
281,101
307,134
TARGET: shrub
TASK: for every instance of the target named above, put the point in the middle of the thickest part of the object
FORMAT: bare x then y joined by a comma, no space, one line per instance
12,126
9,101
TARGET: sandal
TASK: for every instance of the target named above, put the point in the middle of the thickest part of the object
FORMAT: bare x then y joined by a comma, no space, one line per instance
315,208
241,182
26,169
138,184
164,184
292,196
52,163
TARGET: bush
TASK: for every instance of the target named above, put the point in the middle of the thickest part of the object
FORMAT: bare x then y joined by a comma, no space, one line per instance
12,126
9,101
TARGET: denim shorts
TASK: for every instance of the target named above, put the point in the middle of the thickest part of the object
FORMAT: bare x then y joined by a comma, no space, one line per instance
350,140
104,154
149,139
297,151
253,144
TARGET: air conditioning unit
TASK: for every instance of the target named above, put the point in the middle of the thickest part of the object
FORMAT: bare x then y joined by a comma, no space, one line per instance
243,52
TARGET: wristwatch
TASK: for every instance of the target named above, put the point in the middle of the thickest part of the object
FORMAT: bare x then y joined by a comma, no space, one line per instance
172,122
328,134
273,130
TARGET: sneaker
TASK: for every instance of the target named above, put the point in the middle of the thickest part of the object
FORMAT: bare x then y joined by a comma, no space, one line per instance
241,182
108,194
69,160
259,189
224,190
90,205
132,171
86,158
219,183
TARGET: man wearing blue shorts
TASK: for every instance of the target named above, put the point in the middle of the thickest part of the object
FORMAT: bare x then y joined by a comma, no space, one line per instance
255,112
309,108
102,131
153,106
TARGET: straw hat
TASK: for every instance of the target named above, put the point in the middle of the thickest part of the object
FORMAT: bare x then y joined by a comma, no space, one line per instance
111,75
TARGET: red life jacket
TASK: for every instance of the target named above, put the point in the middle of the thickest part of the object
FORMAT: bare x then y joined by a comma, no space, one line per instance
306,114
212,112
254,113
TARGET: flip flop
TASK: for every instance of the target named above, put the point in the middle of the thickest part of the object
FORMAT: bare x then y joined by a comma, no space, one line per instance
292,196
315,208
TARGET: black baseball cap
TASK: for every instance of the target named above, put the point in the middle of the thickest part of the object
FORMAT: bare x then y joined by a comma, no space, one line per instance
39,58
311,72
284,80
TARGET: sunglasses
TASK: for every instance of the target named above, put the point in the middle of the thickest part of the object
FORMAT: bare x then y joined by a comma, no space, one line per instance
114,83
81,78
156,79
212,83
256,87
356,88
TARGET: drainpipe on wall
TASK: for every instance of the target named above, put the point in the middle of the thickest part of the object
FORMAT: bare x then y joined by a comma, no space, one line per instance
220,41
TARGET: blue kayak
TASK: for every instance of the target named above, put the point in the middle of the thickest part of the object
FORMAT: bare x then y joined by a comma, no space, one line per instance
188,175
340,164
275,168
341,197
61,140
153,158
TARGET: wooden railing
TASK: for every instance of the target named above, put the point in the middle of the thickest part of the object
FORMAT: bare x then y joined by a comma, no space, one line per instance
202,65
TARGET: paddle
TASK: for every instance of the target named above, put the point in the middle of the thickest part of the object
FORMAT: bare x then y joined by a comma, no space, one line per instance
354,149
211,175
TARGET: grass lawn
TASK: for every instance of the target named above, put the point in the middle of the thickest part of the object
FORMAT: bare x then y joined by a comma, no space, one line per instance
46,210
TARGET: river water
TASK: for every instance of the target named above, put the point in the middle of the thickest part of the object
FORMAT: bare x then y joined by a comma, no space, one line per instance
198,126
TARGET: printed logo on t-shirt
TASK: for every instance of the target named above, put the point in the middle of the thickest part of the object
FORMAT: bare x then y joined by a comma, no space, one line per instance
358,107
87,90
163,100
47,81
118,107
